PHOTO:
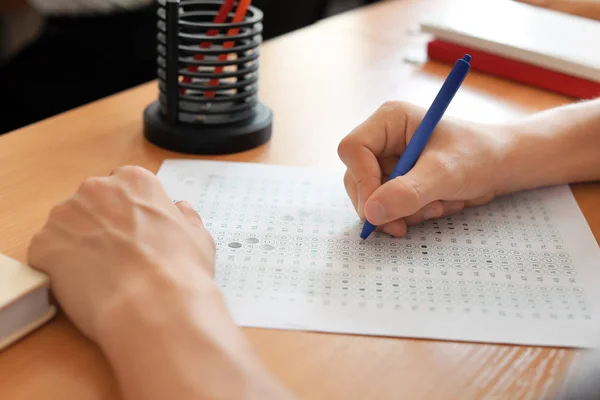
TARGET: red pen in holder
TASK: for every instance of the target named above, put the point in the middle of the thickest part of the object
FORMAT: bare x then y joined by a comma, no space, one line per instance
208,79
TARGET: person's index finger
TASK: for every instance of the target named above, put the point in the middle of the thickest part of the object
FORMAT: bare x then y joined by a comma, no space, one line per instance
364,169
382,135
384,132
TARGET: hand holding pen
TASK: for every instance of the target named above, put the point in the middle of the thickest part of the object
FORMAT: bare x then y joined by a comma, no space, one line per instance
394,180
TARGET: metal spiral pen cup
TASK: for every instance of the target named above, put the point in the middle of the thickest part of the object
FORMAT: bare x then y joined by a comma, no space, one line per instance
208,81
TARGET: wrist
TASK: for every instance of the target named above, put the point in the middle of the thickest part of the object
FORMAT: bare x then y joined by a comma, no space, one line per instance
168,341
152,299
151,311
524,163
151,329
554,147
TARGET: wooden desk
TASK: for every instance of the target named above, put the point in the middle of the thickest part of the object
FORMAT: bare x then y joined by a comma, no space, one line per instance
318,95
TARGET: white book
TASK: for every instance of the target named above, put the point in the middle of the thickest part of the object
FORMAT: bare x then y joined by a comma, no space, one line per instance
554,40
24,300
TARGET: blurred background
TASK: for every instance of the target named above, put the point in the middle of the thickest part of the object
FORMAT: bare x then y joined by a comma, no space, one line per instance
56,55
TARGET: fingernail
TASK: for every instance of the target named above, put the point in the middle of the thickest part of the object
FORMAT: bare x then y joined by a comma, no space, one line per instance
375,212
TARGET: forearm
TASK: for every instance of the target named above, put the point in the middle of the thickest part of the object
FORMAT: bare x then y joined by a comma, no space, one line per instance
558,146
181,346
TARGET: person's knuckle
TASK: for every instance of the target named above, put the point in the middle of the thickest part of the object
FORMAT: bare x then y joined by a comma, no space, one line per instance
36,241
137,171
412,191
92,185
195,217
452,167
391,105
345,147
191,214
394,108
348,179
59,211
443,162
394,116
389,114
134,181
37,244
133,172
414,188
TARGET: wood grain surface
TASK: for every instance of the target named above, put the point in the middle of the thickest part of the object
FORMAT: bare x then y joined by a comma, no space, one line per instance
320,82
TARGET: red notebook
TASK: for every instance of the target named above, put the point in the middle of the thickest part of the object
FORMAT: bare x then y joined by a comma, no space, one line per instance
519,42
447,52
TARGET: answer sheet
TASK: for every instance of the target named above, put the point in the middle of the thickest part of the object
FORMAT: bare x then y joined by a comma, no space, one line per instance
523,269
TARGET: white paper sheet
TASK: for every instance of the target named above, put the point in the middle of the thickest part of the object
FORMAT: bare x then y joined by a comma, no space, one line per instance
524,269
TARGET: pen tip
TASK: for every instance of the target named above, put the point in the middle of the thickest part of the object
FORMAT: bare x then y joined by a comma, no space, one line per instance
366,230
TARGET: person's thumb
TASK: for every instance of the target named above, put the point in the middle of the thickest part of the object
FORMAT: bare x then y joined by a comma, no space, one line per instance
401,197
191,215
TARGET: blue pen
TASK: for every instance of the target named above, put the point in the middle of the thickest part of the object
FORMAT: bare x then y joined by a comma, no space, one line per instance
432,118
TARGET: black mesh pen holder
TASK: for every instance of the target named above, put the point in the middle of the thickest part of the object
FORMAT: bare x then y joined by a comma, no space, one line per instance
208,81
